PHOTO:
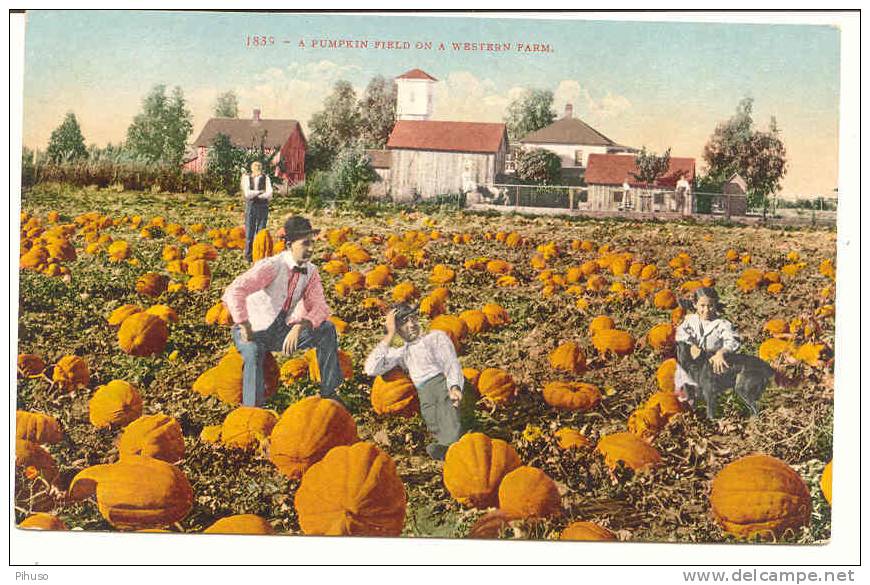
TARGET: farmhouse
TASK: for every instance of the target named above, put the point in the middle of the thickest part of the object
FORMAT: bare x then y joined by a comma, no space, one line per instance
428,158
607,173
283,140
573,141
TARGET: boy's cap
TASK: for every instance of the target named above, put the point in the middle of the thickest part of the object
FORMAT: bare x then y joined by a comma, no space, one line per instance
404,311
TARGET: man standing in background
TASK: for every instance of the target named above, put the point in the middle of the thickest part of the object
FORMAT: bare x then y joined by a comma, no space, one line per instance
258,192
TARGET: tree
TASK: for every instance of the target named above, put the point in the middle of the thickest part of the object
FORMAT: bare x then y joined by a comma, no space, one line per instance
736,147
352,174
67,143
539,166
159,133
651,166
531,111
335,127
377,112
225,162
227,105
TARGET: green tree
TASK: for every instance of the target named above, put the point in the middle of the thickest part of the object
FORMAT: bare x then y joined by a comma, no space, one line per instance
225,162
538,166
227,105
67,143
334,128
737,147
352,174
159,133
531,111
651,166
377,110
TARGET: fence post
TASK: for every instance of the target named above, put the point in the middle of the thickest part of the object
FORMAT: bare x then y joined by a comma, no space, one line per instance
571,199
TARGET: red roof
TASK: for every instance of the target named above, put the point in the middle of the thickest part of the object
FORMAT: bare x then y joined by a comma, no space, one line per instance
416,74
448,136
612,169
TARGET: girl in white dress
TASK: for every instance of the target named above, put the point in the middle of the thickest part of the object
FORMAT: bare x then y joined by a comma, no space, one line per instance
705,331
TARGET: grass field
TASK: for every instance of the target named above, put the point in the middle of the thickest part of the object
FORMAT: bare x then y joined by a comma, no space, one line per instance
60,316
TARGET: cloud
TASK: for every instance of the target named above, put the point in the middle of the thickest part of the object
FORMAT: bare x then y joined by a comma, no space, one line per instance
462,96
586,104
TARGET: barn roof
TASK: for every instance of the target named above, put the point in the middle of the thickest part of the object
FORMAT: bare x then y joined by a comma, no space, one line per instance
244,133
381,159
569,131
612,169
448,136
416,74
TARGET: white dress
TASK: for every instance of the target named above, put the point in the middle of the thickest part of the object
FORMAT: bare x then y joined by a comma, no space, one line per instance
711,336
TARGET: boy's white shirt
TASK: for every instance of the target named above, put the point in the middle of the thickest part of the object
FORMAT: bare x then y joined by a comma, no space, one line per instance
423,359
710,335
266,194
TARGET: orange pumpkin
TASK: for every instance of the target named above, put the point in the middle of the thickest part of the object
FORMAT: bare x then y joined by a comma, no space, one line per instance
613,341
394,393
495,315
225,379
528,492
569,438
572,395
152,284
43,521
628,448
143,334
661,337
665,375
115,404
246,426
37,427
157,435
826,481
474,468
475,321
241,524
71,372
496,385
586,531
568,357
453,326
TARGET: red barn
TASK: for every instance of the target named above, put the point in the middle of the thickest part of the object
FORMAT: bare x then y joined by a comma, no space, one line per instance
606,173
283,140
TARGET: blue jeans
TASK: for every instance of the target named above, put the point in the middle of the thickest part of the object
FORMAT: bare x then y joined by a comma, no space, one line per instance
324,339
256,219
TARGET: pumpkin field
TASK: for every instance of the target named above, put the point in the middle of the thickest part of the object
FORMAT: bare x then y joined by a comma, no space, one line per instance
129,385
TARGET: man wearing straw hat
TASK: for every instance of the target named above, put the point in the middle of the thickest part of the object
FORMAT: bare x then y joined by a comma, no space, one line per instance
278,305
431,362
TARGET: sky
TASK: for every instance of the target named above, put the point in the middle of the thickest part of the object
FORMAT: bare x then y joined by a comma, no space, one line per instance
653,84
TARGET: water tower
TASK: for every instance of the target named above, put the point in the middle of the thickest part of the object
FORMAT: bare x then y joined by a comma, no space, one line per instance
415,95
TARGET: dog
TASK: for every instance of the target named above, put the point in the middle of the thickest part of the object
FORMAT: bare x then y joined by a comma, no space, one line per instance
746,374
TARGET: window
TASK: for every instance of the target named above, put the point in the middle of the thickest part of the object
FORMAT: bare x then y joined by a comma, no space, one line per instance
659,198
584,196
578,158
411,96
617,196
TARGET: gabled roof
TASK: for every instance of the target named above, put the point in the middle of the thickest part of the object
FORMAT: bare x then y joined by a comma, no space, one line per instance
381,159
568,131
416,74
245,133
448,136
612,169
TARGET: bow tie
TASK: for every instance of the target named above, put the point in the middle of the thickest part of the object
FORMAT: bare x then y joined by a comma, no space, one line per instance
300,269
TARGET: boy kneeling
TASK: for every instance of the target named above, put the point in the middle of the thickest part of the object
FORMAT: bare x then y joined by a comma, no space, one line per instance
430,360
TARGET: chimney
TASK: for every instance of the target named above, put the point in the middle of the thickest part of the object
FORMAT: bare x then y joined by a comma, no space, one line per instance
569,111
256,116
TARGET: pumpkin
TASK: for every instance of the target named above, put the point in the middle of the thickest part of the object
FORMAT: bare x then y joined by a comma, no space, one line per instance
151,284
475,321
572,395
165,312
600,323
475,466
335,267
156,435
211,433
176,267
115,404
198,268
355,491
405,291
37,427
143,334
568,438
475,263
827,269
198,283
171,253
442,274
354,253
495,315
30,454
665,375
749,280
431,307
43,521
759,495
491,525
451,325
498,267
118,316
201,252
666,402
528,492
826,483
568,357
294,370
773,348
345,364
665,300
646,422
628,448
613,341
394,393
225,379
71,373
241,523
306,431
263,246
661,337
812,354
30,364
218,314
496,385
136,492
353,280
119,251
378,277
246,426
586,531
